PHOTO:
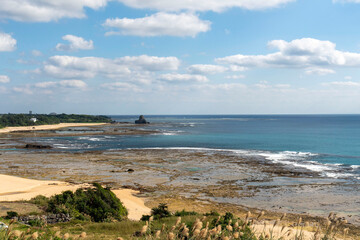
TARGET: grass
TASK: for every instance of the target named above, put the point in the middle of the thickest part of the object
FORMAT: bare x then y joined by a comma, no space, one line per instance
197,226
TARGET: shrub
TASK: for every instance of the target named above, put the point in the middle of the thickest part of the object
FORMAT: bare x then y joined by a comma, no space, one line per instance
11,215
161,211
98,203
185,213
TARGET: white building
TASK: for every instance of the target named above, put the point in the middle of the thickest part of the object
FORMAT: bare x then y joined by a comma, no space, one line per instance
33,119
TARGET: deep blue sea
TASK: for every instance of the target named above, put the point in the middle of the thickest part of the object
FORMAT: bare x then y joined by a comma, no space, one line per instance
329,144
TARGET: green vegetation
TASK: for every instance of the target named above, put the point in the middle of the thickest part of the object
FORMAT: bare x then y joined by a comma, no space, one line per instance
157,212
188,227
15,120
97,204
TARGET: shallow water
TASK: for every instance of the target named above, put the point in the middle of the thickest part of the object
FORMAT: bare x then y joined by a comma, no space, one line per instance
328,144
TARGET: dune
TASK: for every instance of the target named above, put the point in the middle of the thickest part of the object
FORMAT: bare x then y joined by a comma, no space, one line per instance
16,188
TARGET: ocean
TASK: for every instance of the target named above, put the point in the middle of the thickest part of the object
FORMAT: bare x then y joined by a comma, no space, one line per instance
327,144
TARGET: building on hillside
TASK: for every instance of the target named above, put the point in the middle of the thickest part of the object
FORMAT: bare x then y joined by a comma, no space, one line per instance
33,120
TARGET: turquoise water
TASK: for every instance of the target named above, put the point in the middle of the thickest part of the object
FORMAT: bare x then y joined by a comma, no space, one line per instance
329,144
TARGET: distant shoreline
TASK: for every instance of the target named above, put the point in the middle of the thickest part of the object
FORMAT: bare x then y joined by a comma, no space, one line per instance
47,127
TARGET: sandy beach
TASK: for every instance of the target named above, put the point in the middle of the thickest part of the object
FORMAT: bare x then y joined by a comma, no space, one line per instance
15,189
48,127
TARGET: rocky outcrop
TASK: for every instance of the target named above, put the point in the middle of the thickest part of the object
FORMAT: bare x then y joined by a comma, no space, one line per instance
37,146
141,120
48,219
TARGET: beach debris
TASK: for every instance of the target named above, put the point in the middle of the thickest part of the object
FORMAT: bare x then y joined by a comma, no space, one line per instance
141,120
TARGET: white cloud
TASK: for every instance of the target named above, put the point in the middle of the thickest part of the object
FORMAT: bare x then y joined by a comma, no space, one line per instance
89,67
24,90
299,53
7,42
159,24
75,43
45,11
122,86
235,77
203,5
348,77
176,77
206,69
343,84
4,79
319,71
64,83
236,68
36,53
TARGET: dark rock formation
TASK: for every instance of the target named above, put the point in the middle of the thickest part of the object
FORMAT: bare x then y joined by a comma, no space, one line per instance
48,219
141,120
37,146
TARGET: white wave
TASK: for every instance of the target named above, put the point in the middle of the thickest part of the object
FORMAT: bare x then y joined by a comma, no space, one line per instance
290,158
93,139
355,166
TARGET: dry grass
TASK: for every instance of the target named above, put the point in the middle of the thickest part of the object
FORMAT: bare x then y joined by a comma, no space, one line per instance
189,227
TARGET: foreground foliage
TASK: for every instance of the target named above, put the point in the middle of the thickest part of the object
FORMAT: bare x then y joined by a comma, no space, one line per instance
97,204
189,227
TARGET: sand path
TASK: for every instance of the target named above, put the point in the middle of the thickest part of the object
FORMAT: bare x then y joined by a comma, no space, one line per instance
16,189
48,127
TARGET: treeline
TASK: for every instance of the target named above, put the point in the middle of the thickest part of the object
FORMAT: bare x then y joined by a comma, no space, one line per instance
16,120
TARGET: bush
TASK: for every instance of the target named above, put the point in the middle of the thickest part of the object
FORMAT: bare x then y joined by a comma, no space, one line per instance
11,215
161,211
185,213
40,200
98,203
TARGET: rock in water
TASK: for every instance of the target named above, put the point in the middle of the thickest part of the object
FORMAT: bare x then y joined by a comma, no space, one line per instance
141,120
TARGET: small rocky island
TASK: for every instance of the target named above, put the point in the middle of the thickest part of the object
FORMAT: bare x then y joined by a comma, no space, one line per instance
141,120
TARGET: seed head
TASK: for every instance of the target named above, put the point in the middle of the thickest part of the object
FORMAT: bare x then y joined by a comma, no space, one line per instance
35,235
171,236
144,229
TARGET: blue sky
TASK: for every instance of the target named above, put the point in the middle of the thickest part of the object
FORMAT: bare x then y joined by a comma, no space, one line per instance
180,57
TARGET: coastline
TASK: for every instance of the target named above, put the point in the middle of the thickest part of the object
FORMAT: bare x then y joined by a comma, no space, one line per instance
14,188
48,127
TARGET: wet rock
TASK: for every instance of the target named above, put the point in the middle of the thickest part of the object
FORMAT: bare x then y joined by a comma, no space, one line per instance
130,170
37,146
141,120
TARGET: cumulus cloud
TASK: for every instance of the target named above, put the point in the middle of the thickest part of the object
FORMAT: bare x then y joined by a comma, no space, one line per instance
36,53
45,11
75,43
78,84
4,79
343,84
319,71
203,5
235,77
299,53
7,42
176,77
159,24
122,86
206,69
89,67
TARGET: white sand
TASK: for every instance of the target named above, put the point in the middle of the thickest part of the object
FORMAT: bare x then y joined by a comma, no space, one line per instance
16,189
48,127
